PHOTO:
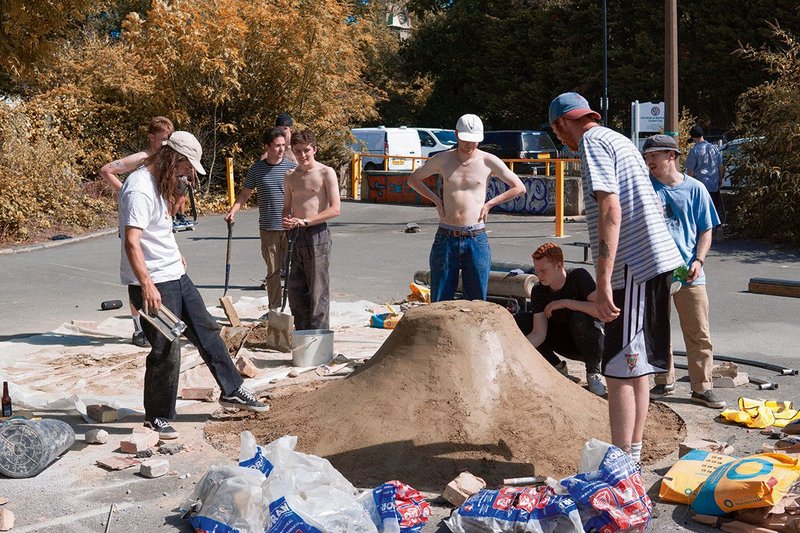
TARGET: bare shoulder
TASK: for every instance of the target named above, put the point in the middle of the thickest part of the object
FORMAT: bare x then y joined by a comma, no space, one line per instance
491,159
327,172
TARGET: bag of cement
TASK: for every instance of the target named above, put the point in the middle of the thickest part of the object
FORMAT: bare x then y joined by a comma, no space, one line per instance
396,508
322,509
251,455
292,472
756,481
609,493
686,475
516,509
228,499
303,493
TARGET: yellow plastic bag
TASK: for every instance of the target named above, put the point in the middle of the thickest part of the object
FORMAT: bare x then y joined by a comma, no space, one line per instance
762,413
686,476
419,293
755,481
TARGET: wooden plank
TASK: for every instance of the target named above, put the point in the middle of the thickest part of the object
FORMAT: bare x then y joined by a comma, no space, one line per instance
774,287
230,312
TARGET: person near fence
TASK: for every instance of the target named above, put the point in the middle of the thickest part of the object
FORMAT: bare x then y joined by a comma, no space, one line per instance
311,198
152,267
634,257
266,177
690,216
563,319
461,244
158,131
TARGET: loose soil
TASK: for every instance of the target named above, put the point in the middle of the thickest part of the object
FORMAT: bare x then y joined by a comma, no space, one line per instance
455,387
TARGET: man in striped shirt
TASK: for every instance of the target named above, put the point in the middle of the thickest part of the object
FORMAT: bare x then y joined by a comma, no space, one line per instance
266,175
634,257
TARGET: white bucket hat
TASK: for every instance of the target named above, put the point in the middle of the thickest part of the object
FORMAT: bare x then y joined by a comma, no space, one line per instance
188,146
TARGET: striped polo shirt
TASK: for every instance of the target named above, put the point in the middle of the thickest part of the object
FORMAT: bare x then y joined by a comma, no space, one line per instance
611,163
267,179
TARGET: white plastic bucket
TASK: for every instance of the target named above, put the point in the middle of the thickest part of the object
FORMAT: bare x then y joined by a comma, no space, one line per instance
312,347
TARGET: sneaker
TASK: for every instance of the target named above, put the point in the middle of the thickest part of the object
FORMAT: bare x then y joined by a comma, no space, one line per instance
243,398
162,427
659,391
596,385
708,398
140,340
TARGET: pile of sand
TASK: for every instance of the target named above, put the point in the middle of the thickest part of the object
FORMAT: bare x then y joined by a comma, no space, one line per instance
455,387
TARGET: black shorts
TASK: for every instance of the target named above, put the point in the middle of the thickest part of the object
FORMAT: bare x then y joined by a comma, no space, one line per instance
638,340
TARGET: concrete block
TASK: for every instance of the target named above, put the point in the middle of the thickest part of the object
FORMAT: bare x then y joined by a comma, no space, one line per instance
141,439
726,368
154,467
6,519
96,436
101,413
727,382
708,445
245,366
116,462
465,485
204,394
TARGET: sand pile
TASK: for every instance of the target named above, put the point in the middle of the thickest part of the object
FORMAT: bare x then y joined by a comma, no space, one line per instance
455,387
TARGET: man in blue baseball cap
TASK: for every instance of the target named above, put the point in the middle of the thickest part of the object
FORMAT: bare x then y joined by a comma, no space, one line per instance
634,257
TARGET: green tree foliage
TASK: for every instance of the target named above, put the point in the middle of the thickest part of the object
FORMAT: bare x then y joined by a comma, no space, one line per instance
767,173
506,60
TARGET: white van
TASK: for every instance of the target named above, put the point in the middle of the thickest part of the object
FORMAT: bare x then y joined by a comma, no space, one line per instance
400,141
435,140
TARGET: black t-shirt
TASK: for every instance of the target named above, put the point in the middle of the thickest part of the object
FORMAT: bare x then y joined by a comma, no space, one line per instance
579,286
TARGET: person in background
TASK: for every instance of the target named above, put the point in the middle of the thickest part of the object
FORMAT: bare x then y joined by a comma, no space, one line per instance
461,244
267,176
158,131
690,217
704,163
563,319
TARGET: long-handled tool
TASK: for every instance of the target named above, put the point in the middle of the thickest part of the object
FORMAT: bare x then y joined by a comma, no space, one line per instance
228,258
280,325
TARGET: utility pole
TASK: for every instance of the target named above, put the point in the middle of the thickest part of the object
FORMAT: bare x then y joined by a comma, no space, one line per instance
671,67
604,103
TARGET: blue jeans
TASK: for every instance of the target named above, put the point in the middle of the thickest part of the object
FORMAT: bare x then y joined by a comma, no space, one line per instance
469,255
163,364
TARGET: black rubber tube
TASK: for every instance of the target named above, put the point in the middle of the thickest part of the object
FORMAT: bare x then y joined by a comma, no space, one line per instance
782,370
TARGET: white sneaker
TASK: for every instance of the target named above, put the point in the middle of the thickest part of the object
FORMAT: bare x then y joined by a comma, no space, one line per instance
596,385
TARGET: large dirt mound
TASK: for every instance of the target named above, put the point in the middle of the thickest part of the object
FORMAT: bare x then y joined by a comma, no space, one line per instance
455,387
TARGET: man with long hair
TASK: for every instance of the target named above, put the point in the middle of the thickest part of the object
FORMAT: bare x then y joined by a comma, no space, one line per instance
155,272
158,131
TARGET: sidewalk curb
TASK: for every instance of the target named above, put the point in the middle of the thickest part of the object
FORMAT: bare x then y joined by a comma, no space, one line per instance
52,244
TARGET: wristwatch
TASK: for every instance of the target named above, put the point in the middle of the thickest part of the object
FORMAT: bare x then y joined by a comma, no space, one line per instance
700,261
306,222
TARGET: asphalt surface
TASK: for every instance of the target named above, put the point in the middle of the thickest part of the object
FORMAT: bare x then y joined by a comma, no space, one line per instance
373,259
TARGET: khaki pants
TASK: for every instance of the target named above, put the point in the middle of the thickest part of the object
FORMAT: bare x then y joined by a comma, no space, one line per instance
691,302
273,250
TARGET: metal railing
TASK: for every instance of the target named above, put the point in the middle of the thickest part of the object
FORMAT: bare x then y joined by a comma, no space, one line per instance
559,165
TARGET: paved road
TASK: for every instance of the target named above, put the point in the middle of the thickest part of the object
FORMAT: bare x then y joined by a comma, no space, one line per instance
374,259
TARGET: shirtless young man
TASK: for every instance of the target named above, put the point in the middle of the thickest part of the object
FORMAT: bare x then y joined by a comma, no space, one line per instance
461,243
159,131
311,198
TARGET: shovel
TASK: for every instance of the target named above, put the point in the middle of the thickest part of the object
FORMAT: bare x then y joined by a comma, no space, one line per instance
281,325
228,258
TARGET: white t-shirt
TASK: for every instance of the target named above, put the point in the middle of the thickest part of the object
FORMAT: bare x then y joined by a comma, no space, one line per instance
141,206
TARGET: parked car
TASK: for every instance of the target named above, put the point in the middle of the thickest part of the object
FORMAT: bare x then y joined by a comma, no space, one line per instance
520,144
730,154
381,140
435,140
